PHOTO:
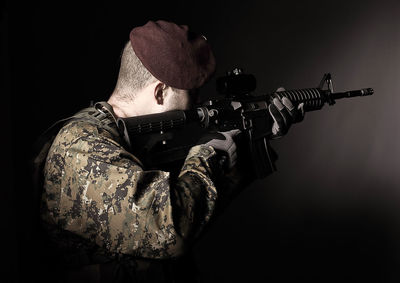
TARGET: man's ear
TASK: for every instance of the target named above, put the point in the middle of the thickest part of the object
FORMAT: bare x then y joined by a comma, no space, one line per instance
159,93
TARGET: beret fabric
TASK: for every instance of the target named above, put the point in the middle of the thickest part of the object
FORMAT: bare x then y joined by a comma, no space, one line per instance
174,55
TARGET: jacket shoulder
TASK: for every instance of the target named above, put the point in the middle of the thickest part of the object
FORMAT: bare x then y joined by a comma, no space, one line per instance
82,137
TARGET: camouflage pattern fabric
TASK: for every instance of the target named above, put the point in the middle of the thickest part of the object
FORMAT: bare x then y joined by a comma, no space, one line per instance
97,190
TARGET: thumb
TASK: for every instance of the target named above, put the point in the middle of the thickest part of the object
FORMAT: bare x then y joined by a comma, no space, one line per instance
300,107
234,133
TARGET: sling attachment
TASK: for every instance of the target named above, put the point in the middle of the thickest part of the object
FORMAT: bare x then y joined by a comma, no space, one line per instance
104,110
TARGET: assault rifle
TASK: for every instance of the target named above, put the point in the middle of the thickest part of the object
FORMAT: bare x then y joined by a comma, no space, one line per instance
160,140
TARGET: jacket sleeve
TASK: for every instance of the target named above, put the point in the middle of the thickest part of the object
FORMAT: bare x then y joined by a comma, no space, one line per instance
97,190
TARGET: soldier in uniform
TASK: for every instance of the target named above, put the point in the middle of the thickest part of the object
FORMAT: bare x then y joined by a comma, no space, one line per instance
107,218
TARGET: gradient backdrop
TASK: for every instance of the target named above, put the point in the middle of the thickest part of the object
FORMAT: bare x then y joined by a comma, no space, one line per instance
330,213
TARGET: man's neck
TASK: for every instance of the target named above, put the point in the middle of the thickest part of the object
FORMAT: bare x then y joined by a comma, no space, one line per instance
118,108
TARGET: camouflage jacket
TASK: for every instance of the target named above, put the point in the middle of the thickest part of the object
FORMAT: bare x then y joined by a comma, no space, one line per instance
96,189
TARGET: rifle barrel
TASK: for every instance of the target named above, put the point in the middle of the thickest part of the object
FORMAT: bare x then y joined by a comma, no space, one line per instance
352,93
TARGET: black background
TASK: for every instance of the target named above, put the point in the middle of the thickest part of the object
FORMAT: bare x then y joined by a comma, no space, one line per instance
330,213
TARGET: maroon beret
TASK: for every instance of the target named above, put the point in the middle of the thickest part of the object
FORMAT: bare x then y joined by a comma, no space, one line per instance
174,55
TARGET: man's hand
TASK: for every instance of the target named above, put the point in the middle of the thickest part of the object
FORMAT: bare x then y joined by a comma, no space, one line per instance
224,143
284,114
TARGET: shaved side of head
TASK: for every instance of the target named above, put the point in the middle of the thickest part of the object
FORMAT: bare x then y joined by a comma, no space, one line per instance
132,77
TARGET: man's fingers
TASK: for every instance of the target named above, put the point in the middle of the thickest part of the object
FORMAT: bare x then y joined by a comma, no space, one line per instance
301,112
297,113
278,127
288,104
233,160
227,146
278,104
284,112
300,107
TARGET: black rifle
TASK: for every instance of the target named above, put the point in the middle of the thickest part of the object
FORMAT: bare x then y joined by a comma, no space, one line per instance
160,140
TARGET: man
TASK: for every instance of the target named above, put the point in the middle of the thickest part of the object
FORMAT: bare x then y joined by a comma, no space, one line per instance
106,215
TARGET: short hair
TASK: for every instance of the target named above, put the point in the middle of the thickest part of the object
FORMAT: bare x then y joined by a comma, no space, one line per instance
133,76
